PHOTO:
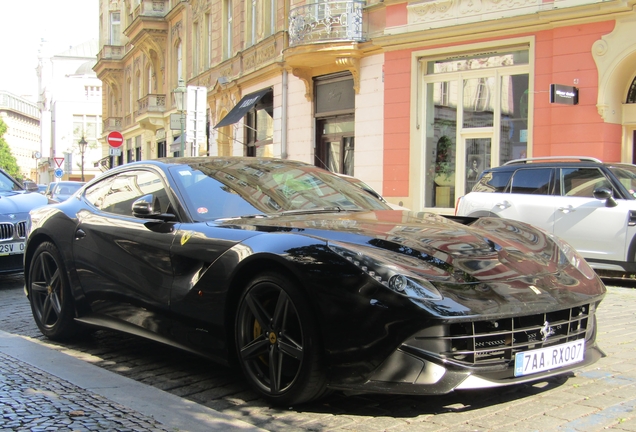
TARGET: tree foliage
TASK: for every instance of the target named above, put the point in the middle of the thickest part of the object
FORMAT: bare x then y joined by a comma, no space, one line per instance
7,160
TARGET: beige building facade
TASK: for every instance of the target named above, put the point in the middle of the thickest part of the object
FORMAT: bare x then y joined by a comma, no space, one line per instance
22,118
366,88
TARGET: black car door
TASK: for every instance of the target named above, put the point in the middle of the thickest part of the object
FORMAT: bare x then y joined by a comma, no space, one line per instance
123,262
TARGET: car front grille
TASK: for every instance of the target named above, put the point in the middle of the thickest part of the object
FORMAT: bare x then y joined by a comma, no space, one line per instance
484,342
20,228
6,231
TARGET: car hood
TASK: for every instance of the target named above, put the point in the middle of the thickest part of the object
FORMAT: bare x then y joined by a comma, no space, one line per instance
450,254
20,202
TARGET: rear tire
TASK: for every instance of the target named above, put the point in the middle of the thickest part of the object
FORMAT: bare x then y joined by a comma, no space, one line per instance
277,340
50,294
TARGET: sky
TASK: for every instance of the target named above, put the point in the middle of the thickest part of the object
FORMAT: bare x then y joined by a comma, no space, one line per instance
63,23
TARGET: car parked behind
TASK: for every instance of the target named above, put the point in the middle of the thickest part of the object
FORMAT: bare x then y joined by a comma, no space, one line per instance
61,191
588,203
15,204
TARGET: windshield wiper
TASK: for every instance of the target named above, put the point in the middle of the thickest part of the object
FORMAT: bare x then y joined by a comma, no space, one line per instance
253,216
334,209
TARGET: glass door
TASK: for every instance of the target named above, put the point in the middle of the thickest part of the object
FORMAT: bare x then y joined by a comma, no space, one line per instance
478,156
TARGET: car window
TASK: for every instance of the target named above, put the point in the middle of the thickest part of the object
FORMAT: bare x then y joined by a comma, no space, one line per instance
226,190
493,181
581,182
6,184
116,194
626,175
535,181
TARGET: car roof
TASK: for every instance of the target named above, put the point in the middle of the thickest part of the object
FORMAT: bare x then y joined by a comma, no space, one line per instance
552,162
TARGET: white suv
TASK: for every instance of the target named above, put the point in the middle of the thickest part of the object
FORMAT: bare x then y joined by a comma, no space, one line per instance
588,203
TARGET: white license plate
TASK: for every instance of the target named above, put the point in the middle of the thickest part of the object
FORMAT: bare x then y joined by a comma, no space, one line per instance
11,248
544,359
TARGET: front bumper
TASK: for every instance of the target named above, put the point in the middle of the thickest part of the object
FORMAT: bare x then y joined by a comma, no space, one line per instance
468,354
406,373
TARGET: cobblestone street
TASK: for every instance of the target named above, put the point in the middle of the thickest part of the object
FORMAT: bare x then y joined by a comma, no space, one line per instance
602,396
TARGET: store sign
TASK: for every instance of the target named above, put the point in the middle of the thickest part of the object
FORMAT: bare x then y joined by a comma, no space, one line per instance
562,94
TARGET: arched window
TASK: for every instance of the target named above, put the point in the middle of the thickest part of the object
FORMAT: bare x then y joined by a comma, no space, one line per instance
179,62
149,75
631,94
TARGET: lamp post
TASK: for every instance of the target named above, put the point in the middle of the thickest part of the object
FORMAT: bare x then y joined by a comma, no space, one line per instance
82,148
179,99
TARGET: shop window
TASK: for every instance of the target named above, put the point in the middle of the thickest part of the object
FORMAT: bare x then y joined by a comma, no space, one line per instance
476,116
259,127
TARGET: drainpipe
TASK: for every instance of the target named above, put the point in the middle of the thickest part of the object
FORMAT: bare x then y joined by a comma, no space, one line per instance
283,132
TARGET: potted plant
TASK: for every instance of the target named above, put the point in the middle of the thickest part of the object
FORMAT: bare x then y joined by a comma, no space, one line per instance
444,163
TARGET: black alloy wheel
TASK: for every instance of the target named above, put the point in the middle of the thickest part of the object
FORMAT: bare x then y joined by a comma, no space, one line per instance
277,342
50,295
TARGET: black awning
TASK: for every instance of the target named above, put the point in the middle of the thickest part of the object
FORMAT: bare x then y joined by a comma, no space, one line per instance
241,108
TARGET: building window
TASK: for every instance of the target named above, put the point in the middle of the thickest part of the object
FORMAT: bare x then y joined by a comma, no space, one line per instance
259,127
149,74
161,149
129,151
208,41
250,22
227,30
115,28
476,115
179,62
138,148
269,13
631,95
196,51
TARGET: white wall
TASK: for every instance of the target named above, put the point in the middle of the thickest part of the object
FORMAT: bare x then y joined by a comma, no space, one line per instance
369,123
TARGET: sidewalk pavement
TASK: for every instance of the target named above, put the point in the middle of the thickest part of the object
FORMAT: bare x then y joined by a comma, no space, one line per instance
42,389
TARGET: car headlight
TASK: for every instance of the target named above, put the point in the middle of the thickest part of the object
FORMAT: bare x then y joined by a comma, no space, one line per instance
569,255
390,269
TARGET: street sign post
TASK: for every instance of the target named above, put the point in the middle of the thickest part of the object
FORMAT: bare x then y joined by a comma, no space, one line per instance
115,139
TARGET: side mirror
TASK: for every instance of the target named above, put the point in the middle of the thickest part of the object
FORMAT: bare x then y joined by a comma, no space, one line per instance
604,193
30,186
146,208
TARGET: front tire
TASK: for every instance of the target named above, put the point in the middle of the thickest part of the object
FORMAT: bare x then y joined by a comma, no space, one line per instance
278,343
50,294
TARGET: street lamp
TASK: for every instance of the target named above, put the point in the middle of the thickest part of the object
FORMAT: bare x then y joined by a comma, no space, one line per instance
179,99
82,148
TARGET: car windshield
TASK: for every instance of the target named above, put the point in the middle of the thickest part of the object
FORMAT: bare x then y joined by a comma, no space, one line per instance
7,184
229,189
626,174
66,188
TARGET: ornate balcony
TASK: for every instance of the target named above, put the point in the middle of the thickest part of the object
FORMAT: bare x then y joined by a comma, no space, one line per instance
152,8
326,22
149,114
152,103
112,52
112,124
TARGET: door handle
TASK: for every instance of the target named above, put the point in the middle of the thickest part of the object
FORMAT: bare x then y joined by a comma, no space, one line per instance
503,205
80,234
566,209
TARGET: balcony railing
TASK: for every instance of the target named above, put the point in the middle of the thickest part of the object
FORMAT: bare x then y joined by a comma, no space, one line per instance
152,103
152,8
112,124
112,52
326,21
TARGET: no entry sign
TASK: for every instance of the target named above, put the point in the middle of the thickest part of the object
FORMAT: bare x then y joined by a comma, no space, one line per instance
115,139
